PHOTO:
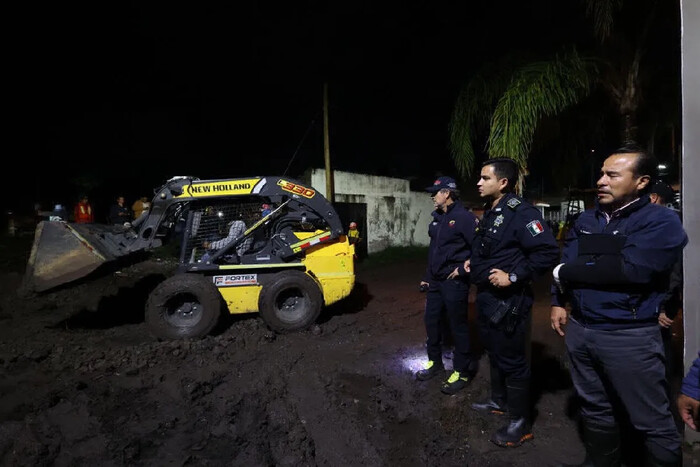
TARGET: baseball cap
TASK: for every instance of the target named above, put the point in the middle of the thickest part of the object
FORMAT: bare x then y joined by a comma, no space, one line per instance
664,190
442,183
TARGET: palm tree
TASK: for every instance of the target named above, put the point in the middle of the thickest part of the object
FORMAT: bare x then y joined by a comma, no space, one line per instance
510,106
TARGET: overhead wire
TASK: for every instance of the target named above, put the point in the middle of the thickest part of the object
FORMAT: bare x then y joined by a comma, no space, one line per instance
303,138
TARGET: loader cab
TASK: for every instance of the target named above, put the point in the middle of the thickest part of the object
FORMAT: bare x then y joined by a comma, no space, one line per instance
248,230
209,224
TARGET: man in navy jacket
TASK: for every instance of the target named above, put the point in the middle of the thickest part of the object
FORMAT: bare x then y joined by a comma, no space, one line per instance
447,284
513,245
614,272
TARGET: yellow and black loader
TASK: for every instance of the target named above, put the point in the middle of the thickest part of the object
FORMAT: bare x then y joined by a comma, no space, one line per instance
290,259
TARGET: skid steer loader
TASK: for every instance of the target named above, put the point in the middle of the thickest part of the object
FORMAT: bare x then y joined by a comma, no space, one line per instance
261,244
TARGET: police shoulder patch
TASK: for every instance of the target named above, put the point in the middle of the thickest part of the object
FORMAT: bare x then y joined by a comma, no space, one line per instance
535,228
513,203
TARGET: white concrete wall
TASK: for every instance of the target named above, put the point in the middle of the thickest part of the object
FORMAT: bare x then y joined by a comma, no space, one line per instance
396,216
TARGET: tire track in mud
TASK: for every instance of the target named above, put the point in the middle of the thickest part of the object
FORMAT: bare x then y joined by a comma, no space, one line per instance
83,383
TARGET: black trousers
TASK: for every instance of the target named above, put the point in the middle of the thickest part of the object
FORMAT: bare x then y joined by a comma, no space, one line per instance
449,298
507,350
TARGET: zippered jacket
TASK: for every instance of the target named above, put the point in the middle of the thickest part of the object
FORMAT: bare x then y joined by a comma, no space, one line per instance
451,236
616,271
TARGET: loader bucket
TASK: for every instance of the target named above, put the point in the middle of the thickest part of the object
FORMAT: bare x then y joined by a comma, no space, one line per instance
64,252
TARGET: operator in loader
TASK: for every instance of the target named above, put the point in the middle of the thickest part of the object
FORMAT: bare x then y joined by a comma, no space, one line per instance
236,229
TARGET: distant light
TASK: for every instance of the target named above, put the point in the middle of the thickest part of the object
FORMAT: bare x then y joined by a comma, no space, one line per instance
592,150
662,166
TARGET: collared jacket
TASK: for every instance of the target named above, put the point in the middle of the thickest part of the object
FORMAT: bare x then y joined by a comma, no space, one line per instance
616,270
514,238
451,236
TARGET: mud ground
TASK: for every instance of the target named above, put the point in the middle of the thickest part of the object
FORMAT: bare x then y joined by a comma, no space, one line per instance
82,382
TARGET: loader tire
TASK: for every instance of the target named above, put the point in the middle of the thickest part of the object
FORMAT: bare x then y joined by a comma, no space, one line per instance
183,306
291,301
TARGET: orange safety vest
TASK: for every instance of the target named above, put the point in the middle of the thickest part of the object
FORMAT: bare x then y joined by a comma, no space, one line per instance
83,213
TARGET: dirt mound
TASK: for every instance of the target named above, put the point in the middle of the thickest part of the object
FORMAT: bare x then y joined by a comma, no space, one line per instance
84,383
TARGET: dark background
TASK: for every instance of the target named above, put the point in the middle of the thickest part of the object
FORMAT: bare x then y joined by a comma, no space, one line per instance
117,97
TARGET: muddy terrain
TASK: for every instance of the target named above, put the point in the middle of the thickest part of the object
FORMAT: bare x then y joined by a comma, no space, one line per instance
82,382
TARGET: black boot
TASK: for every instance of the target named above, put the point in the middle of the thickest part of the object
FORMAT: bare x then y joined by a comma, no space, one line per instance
519,428
431,370
602,446
496,405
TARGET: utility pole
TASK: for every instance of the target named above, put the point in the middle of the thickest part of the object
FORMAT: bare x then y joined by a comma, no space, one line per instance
330,186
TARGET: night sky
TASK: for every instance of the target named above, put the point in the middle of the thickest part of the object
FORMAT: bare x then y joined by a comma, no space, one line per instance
116,97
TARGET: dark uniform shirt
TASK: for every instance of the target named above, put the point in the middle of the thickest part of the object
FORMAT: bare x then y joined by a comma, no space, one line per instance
451,236
514,238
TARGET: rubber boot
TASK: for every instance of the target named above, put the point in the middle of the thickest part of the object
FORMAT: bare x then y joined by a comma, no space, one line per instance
602,446
519,429
496,405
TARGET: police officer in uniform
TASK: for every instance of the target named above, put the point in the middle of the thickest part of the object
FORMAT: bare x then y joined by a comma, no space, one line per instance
447,282
614,271
512,246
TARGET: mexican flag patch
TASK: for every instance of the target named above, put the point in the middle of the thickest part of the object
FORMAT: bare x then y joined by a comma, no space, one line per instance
535,228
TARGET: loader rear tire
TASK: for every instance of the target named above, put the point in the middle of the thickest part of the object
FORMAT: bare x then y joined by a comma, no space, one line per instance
291,301
183,306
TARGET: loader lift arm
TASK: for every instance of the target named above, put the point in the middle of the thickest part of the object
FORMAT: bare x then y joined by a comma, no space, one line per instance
64,252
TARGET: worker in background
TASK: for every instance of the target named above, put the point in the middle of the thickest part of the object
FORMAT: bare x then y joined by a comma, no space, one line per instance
662,194
59,213
140,206
353,233
119,214
82,214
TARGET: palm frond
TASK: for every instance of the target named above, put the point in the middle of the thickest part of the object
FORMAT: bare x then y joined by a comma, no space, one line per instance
537,90
602,13
472,112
